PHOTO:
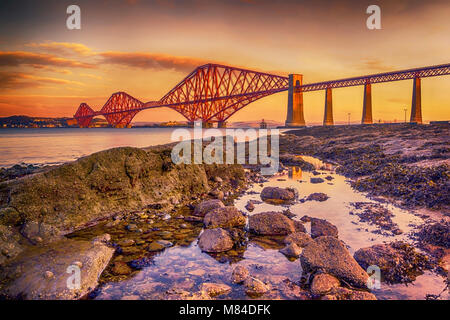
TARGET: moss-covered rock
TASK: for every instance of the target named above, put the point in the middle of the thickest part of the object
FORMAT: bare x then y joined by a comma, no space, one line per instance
77,194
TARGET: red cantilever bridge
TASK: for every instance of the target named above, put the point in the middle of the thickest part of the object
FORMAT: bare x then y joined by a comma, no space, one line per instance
213,93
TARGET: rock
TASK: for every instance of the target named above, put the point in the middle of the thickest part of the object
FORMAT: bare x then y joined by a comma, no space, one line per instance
276,193
255,287
316,180
120,268
225,217
206,206
239,274
329,255
321,227
323,283
329,178
126,243
166,217
317,196
271,223
217,194
215,289
291,250
215,240
79,193
250,206
299,226
132,227
347,294
25,273
48,275
193,219
301,239
104,238
218,179
165,243
9,244
155,246
398,261
33,230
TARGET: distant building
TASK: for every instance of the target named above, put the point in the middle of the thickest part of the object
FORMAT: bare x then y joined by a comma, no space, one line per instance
263,124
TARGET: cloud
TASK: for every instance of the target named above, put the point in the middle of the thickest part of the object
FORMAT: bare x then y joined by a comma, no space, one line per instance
92,76
63,48
154,61
17,58
374,65
20,80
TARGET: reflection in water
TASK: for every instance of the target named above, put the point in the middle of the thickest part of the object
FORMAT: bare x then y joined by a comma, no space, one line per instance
295,173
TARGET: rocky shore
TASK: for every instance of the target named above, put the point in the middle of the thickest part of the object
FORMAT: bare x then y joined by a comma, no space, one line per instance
129,213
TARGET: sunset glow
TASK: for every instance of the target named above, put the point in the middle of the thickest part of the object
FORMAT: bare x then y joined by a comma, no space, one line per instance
146,47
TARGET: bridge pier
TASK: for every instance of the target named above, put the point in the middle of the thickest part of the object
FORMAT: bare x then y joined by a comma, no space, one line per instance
416,106
367,104
295,116
328,115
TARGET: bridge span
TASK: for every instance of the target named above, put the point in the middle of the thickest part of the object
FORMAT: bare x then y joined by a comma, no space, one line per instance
213,93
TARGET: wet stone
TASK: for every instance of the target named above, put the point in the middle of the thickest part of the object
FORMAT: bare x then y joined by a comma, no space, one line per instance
316,180
317,196
323,283
206,206
291,250
215,289
255,287
321,227
155,246
120,268
239,274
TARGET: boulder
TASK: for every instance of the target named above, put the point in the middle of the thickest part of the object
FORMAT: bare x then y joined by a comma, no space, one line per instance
321,227
239,274
29,275
348,294
323,283
206,206
276,193
301,239
255,287
271,223
398,261
224,217
291,250
215,240
329,255
215,289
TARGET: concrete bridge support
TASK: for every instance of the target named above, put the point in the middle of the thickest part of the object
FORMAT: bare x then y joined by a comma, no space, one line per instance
367,105
416,106
295,116
328,115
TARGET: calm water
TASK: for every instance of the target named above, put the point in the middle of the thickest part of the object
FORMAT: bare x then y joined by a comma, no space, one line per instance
53,146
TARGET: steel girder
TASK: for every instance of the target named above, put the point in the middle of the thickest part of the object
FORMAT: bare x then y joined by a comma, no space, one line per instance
214,92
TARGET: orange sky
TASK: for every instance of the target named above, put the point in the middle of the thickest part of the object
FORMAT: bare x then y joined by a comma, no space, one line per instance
146,47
